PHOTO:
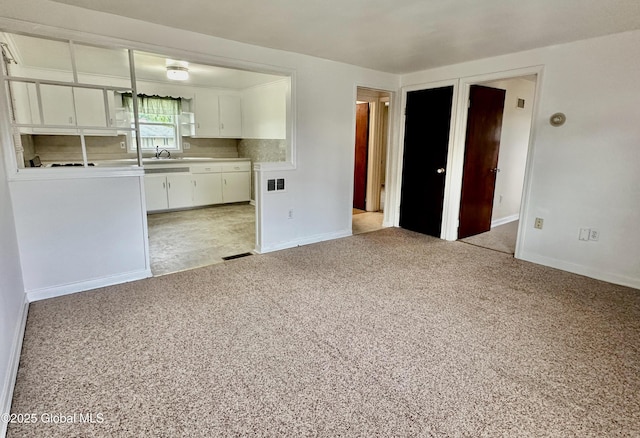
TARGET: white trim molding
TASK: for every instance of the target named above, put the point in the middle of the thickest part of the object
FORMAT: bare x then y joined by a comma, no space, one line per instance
304,241
504,220
8,386
580,270
81,286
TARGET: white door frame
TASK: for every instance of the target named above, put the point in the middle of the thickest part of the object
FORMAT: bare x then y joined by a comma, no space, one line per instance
457,139
400,150
455,192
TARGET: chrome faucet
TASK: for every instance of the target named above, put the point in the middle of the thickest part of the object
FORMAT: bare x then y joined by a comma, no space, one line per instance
159,153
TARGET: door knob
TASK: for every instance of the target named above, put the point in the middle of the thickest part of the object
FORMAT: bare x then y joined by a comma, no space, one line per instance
441,170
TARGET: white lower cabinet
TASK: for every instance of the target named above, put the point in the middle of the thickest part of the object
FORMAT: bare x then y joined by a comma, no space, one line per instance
207,189
204,184
236,187
155,191
179,190
168,191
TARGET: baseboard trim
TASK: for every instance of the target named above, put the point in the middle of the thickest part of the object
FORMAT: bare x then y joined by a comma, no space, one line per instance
71,288
14,361
587,271
505,220
304,241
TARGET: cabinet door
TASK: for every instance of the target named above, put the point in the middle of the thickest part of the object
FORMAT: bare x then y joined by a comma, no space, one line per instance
207,114
90,107
67,106
57,105
230,116
179,190
236,186
155,191
207,189
23,95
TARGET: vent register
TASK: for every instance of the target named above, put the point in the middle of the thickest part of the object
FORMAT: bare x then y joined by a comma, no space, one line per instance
275,185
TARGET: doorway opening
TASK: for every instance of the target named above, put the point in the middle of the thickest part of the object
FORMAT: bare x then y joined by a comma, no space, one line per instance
498,129
370,159
200,198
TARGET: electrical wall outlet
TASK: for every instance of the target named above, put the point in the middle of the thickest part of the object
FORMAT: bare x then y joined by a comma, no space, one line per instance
123,145
589,234
538,223
291,213
186,146
584,234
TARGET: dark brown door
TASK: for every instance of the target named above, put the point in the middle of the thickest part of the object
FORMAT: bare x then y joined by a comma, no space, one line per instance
484,126
362,152
426,142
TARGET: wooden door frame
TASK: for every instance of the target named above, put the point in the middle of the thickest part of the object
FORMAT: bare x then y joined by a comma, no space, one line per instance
454,191
399,156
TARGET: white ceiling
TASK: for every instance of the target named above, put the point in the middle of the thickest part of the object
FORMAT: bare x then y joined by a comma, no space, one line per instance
398,36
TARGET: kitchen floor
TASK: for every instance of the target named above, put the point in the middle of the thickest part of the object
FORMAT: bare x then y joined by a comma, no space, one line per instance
366,221
190,239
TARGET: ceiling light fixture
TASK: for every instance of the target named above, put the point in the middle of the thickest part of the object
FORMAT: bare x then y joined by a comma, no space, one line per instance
177,73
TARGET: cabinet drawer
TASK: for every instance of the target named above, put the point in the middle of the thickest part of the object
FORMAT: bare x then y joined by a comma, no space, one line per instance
242,166
206,168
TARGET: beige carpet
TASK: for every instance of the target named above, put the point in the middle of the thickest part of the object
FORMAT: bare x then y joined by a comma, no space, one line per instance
389,333
501,238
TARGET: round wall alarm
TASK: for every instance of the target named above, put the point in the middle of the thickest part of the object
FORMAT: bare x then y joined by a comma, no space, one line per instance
557,119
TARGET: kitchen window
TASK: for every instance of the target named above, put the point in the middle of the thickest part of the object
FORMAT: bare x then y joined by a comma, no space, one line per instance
159,119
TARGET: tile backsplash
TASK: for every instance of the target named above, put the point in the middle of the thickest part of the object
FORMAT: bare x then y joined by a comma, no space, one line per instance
262,151
211,147
67,148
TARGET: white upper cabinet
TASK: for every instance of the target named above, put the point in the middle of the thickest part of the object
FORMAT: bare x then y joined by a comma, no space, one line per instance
90,107
57,105
230,116
207,113
69,106
217,115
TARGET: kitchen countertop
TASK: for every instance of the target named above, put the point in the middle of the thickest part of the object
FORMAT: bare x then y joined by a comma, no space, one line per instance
165,161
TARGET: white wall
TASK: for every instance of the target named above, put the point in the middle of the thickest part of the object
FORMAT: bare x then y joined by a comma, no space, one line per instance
514,144
319,183
12,299
75,234
585,173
